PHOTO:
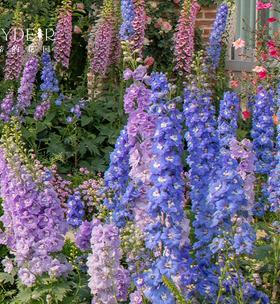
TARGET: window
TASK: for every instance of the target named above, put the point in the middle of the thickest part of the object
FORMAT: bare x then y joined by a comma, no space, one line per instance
244,23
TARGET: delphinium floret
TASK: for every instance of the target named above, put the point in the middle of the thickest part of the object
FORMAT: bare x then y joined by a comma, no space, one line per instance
75,212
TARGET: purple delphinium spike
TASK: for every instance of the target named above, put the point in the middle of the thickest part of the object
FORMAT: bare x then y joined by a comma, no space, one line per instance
107,282
33,218
7,107
27,84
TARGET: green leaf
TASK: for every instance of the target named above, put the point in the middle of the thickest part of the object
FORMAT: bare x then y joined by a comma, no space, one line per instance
85,120
6,278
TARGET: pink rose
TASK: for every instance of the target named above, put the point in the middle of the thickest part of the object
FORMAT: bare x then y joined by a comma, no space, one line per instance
238,44
262,6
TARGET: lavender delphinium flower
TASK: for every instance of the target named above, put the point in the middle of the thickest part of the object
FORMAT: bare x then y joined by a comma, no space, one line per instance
274,177
116,179
243,153
27,84
215,41
104,265
33,218
75,212
128,15
7,107
140,130
136,297
63,34
263,131
76,111
83,235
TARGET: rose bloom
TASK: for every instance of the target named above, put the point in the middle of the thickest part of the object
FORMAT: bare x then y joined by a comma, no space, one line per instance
261,5
166,26
77,29
238,44
149,61
272,19
262,75
246,115
80,6
259,69
234,84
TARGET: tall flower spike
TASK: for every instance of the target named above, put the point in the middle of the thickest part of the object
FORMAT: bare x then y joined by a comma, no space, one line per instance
139,26
263,131
106,274
27,84
184,36
7,107
33,218
37,43
214,49
15,53
168,235
103,40
274,178
63,34
243,153
128,15
49,86
226,191
116,179
228,118
203,148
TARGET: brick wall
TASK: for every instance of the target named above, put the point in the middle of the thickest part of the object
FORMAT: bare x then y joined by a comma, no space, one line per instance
205,20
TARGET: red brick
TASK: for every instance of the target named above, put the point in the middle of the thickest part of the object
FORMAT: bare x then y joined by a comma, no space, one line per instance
203,23
210,15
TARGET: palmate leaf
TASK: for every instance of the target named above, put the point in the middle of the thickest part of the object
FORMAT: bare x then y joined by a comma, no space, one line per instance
6,278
